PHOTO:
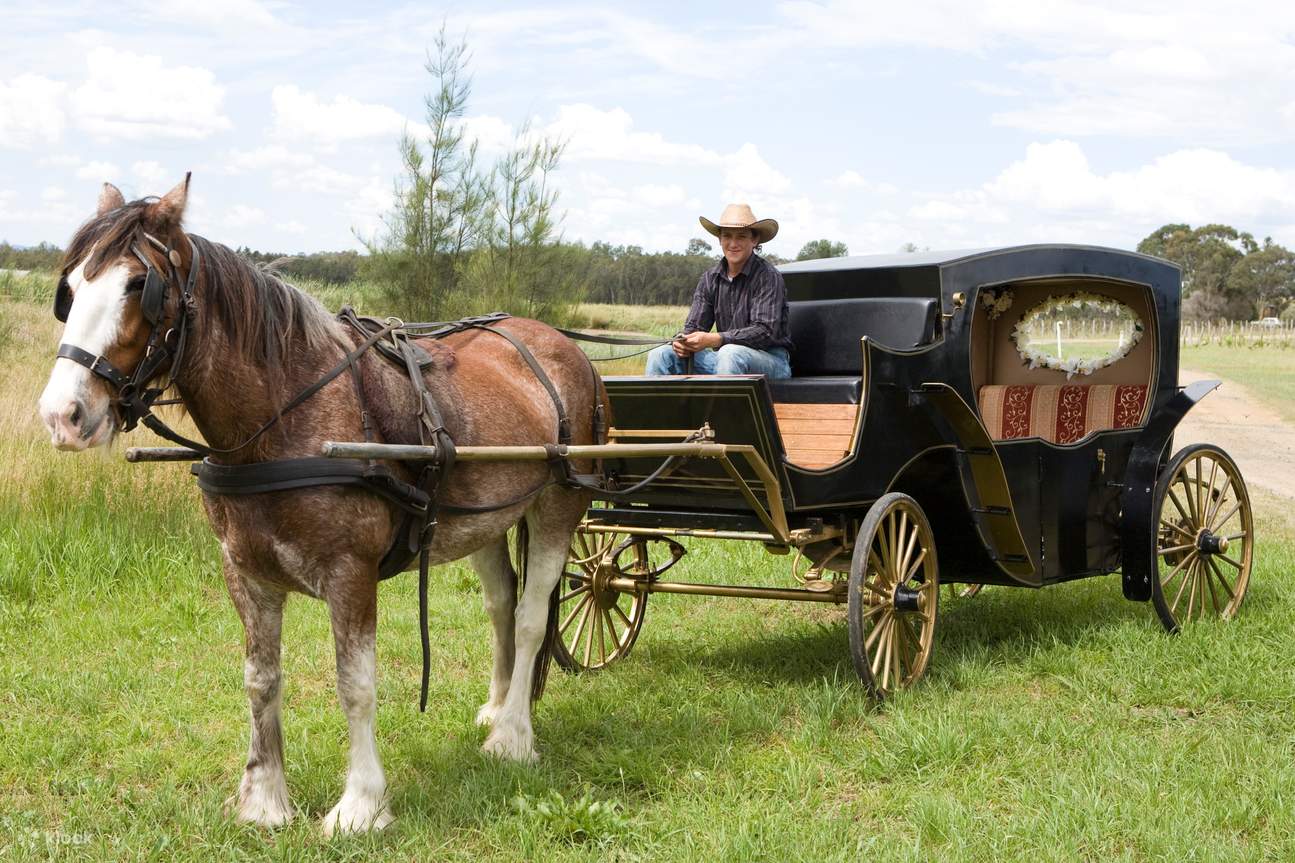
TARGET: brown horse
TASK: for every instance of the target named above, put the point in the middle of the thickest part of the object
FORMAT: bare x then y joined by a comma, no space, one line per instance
252,342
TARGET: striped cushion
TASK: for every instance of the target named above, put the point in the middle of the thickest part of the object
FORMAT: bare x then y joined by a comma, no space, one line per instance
1060,413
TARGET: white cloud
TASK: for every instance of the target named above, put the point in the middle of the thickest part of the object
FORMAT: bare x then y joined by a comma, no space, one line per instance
748,177
242,216
101,172
290,227
850,180
150,174
31,111
592,133
659,196
236,15
135,97
303,116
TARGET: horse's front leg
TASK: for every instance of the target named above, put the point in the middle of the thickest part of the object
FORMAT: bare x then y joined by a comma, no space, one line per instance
352,597
499,594
263,793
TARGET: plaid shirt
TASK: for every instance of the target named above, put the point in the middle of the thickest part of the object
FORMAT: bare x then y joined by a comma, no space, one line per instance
750,310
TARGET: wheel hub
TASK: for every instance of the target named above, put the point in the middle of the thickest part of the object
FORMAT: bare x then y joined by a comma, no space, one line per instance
1210,543
905,599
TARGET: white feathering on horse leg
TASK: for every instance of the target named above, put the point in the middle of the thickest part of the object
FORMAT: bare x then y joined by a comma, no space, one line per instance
512,736
363,805
499,594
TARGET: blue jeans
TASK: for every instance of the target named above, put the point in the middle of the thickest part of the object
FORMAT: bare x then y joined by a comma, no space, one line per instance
728,360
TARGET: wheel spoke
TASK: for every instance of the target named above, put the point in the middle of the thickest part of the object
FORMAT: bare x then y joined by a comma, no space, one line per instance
1217,503
1182,531
906,540
878,646
877,566
921,556
1177,503
1187,577
602,643
589,640
1207,576
1200,494
1229,560
874,611
1164,582
1235,536
1173,548
870,642
878,590
1222,521
1223,582
584,587
887,649
611,631
629,624
581,604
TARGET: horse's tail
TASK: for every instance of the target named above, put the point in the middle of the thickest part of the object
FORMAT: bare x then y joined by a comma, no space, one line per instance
521,540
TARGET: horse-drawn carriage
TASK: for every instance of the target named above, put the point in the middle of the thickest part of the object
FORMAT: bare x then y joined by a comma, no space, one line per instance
924,439
929,436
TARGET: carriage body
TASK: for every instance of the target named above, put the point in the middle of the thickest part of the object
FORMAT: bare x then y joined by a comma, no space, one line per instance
899,377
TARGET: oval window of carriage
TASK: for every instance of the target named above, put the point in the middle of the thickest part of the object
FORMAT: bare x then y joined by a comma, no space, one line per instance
1077,333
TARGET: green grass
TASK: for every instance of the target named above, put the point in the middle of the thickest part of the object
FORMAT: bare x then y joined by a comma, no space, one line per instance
1267,373
1053,725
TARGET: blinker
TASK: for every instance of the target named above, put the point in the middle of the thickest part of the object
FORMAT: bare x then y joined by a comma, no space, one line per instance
63,300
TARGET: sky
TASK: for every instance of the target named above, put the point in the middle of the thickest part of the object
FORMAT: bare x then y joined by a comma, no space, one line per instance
946,125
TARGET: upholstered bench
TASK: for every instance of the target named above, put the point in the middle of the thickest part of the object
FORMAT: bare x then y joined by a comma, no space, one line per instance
1060,413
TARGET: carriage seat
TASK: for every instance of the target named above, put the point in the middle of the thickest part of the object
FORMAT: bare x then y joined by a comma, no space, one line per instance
1060,413
826,360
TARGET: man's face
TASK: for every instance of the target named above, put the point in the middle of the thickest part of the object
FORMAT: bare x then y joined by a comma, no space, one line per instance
737,243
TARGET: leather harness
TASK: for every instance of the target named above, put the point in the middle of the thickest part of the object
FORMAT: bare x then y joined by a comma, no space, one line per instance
133,401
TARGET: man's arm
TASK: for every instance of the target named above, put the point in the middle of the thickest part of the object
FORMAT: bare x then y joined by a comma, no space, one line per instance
701,316
767,295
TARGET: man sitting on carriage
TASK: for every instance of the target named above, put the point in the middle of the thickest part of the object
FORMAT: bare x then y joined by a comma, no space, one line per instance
743,298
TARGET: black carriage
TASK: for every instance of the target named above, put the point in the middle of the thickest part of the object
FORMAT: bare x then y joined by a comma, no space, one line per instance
924,440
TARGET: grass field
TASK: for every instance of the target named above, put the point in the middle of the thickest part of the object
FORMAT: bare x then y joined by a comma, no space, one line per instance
1056,725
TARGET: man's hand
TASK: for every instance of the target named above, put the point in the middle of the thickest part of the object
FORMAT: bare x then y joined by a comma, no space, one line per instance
686,346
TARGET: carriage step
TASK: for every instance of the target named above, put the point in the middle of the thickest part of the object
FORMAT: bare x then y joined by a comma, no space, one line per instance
992,510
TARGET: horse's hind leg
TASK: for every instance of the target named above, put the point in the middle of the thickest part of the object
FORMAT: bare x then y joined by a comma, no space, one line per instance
551,520
499,592
263,793
352,597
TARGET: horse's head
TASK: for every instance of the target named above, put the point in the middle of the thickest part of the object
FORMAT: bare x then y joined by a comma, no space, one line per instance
119,295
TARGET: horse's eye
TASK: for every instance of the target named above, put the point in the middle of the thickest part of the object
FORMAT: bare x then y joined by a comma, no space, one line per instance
135,284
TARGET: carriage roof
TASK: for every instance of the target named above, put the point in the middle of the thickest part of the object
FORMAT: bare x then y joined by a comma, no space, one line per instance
941,273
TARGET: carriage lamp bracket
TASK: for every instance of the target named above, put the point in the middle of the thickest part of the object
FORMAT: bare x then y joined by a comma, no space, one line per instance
959,299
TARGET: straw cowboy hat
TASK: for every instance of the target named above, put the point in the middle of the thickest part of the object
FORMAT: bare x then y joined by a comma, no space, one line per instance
740,216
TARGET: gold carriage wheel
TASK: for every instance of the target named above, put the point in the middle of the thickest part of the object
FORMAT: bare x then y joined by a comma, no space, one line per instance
1204,538
894,592
956,590
598,624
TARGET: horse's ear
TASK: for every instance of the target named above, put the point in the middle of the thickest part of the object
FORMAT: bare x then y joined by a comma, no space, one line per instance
110,198
169,210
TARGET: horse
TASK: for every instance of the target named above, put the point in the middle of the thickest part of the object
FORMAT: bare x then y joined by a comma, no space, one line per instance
246,340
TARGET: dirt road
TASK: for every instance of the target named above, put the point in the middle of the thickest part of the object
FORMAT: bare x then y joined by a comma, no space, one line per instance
1262,444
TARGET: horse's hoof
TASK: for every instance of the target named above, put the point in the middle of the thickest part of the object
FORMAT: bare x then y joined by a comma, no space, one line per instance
261,809
488,713
510,747
356,816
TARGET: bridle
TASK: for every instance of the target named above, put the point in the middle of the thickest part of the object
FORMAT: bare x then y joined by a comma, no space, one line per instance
133,399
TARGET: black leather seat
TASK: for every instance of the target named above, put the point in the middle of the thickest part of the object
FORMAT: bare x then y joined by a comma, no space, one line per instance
828,357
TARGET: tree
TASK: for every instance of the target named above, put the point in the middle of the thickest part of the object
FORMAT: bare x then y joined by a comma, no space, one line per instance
1265,277
1206,255
822,249
699,247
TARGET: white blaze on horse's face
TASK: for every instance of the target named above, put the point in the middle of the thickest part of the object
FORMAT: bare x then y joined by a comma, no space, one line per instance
75,404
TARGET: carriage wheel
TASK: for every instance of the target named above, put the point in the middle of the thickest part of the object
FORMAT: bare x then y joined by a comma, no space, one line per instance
598,624
954,590
893,594
1204,537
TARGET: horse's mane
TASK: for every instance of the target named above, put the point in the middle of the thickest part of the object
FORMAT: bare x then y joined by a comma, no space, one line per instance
262,316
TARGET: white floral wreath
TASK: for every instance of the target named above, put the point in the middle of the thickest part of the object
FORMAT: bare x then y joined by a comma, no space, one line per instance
1036,358
996,302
